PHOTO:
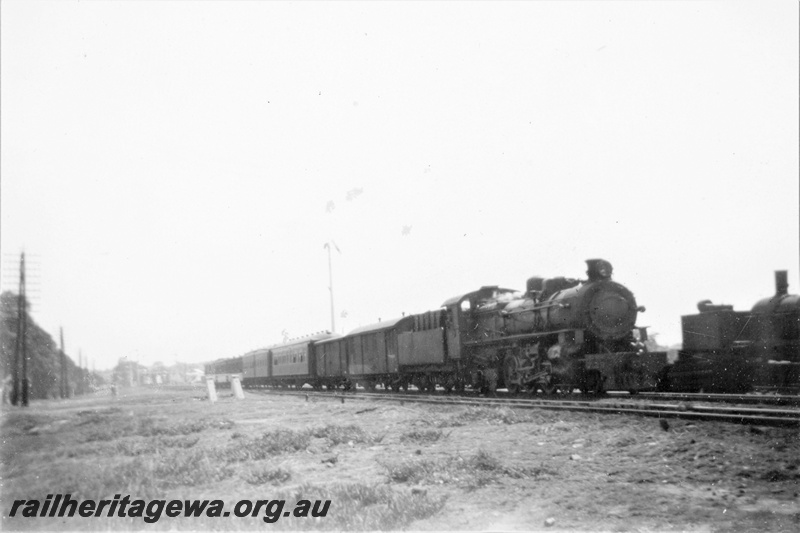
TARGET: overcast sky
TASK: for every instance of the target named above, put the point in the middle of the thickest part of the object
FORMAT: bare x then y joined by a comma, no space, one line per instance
174,169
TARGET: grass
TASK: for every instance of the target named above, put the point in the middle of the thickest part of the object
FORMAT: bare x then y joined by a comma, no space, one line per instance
105,453
522,463
143,451
148,476
471,472
362,507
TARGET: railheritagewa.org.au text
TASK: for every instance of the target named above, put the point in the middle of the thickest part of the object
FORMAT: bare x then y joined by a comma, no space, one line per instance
151,511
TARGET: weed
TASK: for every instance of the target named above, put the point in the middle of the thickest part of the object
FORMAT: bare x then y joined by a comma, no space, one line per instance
20,423
485,461
472,472
179,442
267,475
149,428
426,436
777,475
283,441
490,415
102,428
271,443
134,447
624,441
148,476
337,434
140,447
411,470
360,507
189,470
100,416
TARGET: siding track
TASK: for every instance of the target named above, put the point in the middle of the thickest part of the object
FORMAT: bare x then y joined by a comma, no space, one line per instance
687,411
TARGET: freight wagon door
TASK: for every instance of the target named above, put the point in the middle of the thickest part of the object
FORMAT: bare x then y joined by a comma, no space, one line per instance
421,347
391,351
334,366
451,327
380,352
355,363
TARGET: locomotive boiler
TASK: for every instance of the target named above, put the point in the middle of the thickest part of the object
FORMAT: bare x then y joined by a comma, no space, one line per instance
604,309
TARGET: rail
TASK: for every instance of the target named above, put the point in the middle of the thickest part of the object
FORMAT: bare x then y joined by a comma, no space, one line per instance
738,415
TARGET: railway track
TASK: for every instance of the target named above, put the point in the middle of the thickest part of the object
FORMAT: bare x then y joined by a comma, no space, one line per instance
788,400
686,411
751,399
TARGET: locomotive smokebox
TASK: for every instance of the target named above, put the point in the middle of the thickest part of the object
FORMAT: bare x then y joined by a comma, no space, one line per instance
781,282
598,269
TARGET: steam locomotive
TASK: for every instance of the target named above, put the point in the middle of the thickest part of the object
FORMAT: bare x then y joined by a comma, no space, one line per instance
740,351
561,334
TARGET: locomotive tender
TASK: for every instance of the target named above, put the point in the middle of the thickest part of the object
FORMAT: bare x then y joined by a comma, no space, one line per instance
560,334
741,351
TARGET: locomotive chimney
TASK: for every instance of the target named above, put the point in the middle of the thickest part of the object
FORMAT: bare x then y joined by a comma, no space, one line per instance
781,283
598,269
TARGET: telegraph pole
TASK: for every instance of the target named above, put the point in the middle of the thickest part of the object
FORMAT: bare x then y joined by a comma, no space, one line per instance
80,372
20,392
63,359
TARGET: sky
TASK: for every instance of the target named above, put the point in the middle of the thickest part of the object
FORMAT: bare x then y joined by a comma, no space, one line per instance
173,170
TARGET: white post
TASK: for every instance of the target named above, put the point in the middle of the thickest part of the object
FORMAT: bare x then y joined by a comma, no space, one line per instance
237,388
212,390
